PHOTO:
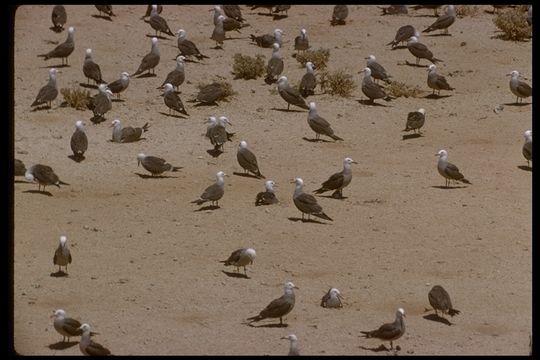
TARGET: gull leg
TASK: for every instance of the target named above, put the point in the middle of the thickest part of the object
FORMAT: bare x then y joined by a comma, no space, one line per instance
245,272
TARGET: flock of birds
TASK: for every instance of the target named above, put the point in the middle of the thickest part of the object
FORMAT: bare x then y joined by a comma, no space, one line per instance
229,18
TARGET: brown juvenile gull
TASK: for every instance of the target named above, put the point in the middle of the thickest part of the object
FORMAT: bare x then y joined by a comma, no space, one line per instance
339,180
420,51
158,23
59,17
527,146
436,81
64,49
415,120
443,22
187,47
90,347
172,100
301,42
241,257
177,76
102,101
49,92
403,34
378,72
275,65
44,175
440,300
267,40
389,331
62,255
150,60
107,9
294,350
279,307
233,11
332,299
394,10
66,326
519,88
19,168
306,203
248,160
267,197
218,35
155,165
339,14
79,141
119,85
370,89
127,134
448,170
319,124
90,69
216,131
309,81
149,11
209,94
213,192
290,95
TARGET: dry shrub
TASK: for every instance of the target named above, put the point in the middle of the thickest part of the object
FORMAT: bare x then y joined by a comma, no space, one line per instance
76,98
226,89
398,89
318,57
467,10
513,24
247,67
339,83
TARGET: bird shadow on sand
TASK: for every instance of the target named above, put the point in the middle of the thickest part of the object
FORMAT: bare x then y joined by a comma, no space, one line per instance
437,318
518,104
172,115
217,48
158,36
268,325
447,187
316,140
208,207
337,197
246,175
76,158
376,349
435,96
279,17
296,219
415,65
62,345
146,176
440,34
285,110
21,182
399,47
88,86
525,167
118,100
214,152
235,38
235,274
146,75
411,136
104,17
42,192
204,103
56,29
370,103
59,273
55,66
424,15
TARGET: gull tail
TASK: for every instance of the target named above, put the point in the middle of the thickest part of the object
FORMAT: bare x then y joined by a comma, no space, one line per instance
183,111
435,60
335,137
145,127
429,29
229,135
201,56
367,334
321,190
60,182
258,173
388,98
176,168
323,216
255,318
453,312
36,102
198,201
466,181
393,43
169,32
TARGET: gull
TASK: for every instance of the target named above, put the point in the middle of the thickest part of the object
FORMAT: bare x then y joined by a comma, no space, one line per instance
443,22
371,90
229,24
158,23
275,65
172,100
294,350
267,40
102,101
149,11
19,168
436,81
306,203
420,51
218,35
377,71
241,257
107,9
448,170
309,81
248,160
301,42
66,326
213,192
403,34
59,17
90,69
279,307
49,92
188,47
79,141
332,299
339,180
90,347
415,120
62,255
527,146
390,331
440,300
150,60
127,134
177,76
155,165
290,95
319,124
268,196
43,175
519,88
233,11
119,85
339,14
64,49
216,131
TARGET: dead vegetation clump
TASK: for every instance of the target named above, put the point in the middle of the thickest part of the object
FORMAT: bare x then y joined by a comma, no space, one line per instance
398,89
513,24
318,57
339,83
76,98
217,90
467,10
247,67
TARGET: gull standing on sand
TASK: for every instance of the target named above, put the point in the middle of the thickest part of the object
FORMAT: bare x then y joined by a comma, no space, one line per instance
150,60
188,47
415,120
49,92
448,170
443,22
279,307
158,23
301,42
390,331
371,90
172,100
90,347
214,192
332,299
229,24
319,124
90,69
79,141
309,81
155,165
436,81
267,197
403,34
177,76
440,300
519,88
294,350
218,35
339,180
290,95
64,49
107,9
59,17
66,326
119,85
44,175
241,257
378,72
149,11
216,131
102,101
127,134
339,14
234,12
275,65
267,40
306,203
527,146
248,160
420,51
62,254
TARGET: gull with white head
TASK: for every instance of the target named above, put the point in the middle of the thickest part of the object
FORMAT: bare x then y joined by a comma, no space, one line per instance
518,87
79,141
62,254
155,165
527,146
449,171
436,81
65,326
247,160
150,60
306,203
241,257
332,299
415,120
279,307
119,85
389,331
90,347
291,95
49,92
267,197
213,192
339,180
294,350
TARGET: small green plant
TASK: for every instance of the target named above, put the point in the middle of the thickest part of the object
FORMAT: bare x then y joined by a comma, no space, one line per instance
339,83
318,57
467,10
247,67
513,24
398,89
76,98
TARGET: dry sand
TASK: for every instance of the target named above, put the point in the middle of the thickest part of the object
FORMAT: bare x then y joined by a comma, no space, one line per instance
145,271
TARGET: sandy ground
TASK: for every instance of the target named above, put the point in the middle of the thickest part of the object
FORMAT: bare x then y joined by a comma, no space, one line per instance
145,271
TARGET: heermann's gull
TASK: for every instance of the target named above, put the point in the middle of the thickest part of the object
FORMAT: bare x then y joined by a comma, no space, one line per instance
158,23
415,120
527,146
241,257
378,72
339,14
301,42
389,331
403,34
279,307
127,134
43,175
172,100
229,24
102,101
448,170
64,49
177,76
213,192
290,95
332,299
306,203
371,90
440,300
216,131
394,10
209,94
267,40
267,197
187,47
155,165
107,9
319,124
59,17
519,88
79,141
233,11
150,60
309,81
248,160
269,7
436,81
90,69
294,350
90,347
18,168
420,51
66,326
218,35
275,65
119,85
444,21
48,92
339,180
62,254
282,8
434,7
149,11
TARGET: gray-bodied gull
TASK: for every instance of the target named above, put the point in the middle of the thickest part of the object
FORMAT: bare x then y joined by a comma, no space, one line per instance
216,131
102,101
448,170
66,326
119,85
443,22
339,15
213,192
267,197
218,35
415,120
440,301
19,168
241,257
158,23
403,34
339,180
155,165
62,254
279,307
372,90
519,88
126,134
187,47
149,11
306,203
59,17
390,331
267,40
309,81
49,92
172,100
420,51
90,347
79,140
150,60
291,95
301,42
436,81
178,75
248,160
233,11
332,299
229,24
378,72
319,124
107,9
527,146
294,350
275,65
64,49
91,70
44,175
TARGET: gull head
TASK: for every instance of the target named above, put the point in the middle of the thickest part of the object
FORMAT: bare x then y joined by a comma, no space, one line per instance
309,65
140,157
167,87
442,154
89,52
220,175
243,144
514,74
303,31
422,111
180,58
431,68
221,18
85,327
52,72
400,312
154,41
367,72
102,87
71,30
58,314
63,240
335,292
528,134
312,105
298,181
290,337
278,31
370,58
282,80
29,176
181,33
251,253
124,74
115,123
79,125
269,185
349,161
289,286
413,39
224,120
275,46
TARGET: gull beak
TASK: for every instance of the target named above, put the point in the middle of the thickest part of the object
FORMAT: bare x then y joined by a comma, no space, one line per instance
292,181
437,154
112,125
355,162
508,74
361,71
52,316
284,337
296,287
